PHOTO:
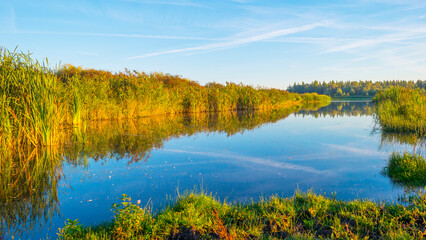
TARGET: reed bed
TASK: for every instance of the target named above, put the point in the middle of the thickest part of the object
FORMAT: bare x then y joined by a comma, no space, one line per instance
303,216
39,105
402,110
30,101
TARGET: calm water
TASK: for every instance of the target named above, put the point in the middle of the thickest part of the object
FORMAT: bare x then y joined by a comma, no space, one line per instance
236,157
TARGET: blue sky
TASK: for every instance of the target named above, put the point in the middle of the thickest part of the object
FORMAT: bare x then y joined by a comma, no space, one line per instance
260,43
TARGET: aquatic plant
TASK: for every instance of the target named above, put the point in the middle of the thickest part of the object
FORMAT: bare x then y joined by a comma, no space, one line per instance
406,169
401,110
303,216
30,99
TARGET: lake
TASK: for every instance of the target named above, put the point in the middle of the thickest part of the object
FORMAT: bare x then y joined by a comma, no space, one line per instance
234,156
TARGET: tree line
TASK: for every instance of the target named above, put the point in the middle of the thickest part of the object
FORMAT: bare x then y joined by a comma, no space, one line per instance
352,88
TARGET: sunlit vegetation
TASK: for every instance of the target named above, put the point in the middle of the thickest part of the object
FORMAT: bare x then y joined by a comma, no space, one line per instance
31,101
406,169
352,89
37,105
315,98
402,110
303,216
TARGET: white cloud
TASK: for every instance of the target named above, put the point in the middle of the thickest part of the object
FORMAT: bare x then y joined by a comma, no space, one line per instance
238,40
389,38
120,35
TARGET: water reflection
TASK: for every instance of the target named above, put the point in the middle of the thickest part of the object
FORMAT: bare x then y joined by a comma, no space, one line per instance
28,188
317,146
340,109
399,142
29,178
402,143
389,142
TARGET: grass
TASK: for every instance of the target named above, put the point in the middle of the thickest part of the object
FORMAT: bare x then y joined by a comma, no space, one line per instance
402,110
407,169
303,216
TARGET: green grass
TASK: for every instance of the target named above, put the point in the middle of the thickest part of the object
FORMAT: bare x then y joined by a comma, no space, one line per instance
303,216
402,110
407,169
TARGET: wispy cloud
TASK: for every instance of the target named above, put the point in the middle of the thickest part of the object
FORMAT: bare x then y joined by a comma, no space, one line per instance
354,150
375,40
184,3
240,40
120,35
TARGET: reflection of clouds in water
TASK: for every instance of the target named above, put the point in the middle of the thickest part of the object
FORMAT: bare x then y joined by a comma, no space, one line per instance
255,160
356,150
309,157
361,122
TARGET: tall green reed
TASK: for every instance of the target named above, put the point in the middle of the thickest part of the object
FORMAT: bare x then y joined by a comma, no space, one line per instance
30,100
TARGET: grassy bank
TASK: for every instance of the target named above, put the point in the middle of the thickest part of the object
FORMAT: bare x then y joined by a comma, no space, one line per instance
38,105
304,216
407,169
402,110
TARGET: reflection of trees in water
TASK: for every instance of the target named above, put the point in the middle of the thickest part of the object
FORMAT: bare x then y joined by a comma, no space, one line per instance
408,142
340,109
28,188
134,140
29,179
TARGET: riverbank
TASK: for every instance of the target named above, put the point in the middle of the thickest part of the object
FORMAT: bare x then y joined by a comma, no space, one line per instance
38,104
303,216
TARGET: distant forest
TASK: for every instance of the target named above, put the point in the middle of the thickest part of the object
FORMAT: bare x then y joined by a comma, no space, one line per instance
352,88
